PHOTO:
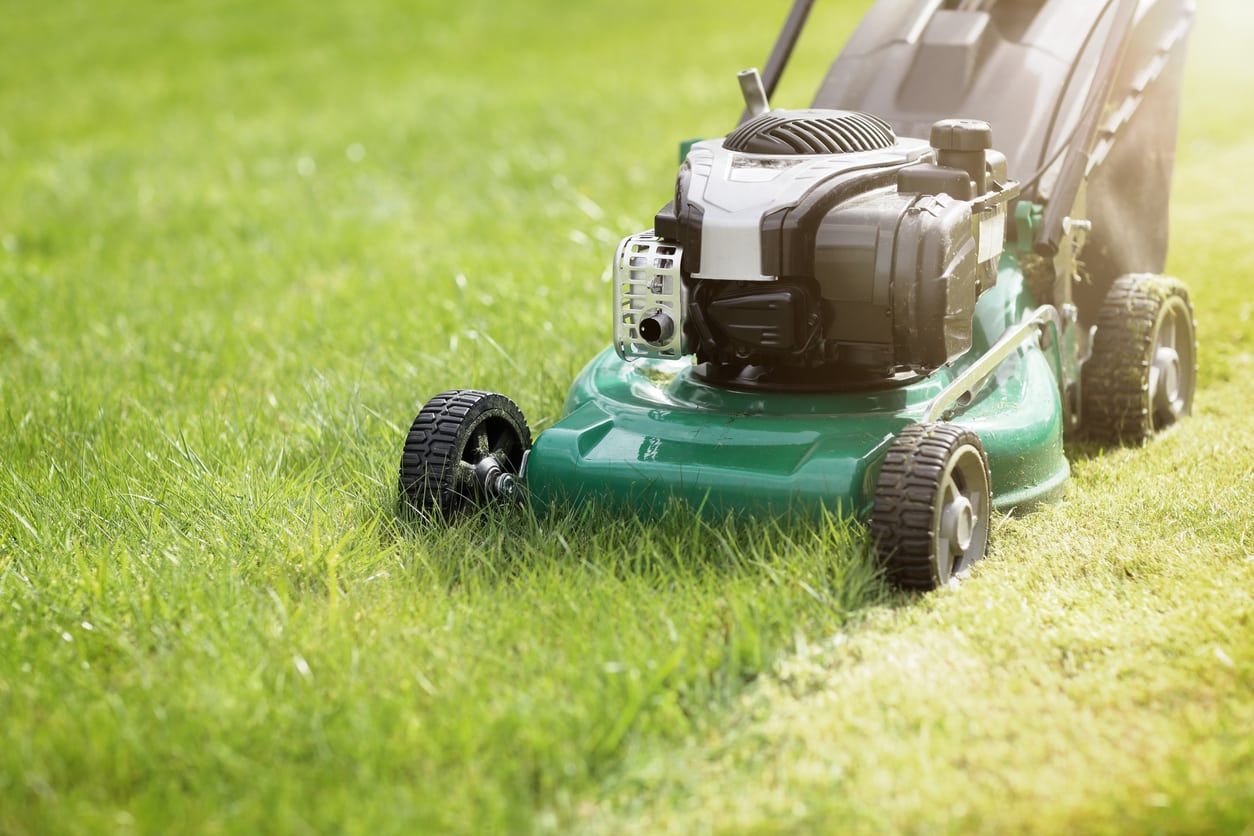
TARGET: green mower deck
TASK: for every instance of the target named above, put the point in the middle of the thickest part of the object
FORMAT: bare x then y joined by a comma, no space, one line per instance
636,435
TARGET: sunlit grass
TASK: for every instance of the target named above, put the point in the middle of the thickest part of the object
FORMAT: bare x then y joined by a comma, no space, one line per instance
239,245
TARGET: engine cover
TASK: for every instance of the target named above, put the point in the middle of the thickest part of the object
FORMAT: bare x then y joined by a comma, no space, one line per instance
729,192
870,249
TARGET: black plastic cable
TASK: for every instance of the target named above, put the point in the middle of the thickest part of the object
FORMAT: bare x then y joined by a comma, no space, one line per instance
1062,95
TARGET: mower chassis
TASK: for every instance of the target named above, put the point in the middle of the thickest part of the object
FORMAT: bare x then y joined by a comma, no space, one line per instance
636,434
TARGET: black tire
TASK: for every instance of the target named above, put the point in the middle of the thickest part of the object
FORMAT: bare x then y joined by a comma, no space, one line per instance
454,432
918,518
1143,370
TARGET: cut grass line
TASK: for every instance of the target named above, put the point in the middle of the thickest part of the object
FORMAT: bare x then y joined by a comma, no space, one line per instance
1116,643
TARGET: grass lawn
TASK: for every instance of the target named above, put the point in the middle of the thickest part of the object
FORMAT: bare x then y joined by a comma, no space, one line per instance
240,244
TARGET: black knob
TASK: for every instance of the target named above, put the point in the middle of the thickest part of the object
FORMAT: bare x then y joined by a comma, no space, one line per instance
961,143
962,135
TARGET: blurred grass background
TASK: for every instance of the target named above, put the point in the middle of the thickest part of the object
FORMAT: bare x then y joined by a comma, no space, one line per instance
240,244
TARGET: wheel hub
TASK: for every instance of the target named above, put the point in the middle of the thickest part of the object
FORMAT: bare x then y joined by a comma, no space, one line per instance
1171,365
494,480
958,522
1167,377
961,524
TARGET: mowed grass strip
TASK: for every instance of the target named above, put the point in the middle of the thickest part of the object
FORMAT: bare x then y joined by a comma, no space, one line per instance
239,245
1093,675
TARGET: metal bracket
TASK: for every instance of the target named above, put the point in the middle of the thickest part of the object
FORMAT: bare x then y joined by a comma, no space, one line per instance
961,391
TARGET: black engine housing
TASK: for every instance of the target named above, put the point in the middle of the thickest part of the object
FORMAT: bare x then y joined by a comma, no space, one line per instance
878,277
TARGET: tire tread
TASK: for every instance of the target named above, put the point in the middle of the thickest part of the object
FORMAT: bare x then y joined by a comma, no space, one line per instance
1115,383
905,500
425,479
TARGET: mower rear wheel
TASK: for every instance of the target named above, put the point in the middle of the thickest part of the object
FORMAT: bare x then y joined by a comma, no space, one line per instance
1143,371
932,505
464,447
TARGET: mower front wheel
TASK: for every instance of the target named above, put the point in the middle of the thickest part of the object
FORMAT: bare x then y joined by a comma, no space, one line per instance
933,501
464,448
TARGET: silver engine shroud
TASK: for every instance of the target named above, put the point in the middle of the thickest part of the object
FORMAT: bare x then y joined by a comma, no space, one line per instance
648,282
736,190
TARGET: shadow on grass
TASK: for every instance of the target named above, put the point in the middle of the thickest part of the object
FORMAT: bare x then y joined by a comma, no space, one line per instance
499,543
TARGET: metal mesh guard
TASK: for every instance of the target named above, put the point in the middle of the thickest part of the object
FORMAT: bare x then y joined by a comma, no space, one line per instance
647,281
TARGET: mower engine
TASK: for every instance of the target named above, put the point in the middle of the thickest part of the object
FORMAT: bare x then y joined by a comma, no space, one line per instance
817,247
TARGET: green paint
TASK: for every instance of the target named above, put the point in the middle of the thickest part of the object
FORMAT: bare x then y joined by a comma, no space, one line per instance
1027,223
634,434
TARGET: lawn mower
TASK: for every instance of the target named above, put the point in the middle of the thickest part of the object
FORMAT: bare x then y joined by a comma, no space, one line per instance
832,313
